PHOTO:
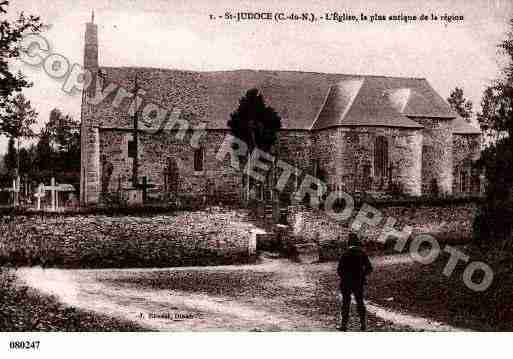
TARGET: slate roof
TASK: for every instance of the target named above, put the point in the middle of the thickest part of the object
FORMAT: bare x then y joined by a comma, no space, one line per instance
462,127
305,100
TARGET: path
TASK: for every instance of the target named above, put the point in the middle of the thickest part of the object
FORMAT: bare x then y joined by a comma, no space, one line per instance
273,295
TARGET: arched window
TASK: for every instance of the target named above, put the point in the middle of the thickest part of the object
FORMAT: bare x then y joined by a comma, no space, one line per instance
198,160
132,148
316,167
381,157
463,181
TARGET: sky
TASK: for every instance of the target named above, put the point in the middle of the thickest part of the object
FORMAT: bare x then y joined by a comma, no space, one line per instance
179,34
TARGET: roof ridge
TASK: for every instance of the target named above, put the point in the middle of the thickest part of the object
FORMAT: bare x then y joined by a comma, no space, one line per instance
268,70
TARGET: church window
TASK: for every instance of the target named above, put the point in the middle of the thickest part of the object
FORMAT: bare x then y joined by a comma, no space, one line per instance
316,168
132,149
463,181
198,159
381,157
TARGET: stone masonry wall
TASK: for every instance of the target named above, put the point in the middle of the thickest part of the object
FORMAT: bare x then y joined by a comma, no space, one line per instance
90,168
208,237
406,160
217,178
89,136
437,152
466,149
347,157
110,110
452,223
294,147
341,153
327,150
311,225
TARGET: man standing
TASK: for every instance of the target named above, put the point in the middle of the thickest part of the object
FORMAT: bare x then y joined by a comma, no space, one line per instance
353,268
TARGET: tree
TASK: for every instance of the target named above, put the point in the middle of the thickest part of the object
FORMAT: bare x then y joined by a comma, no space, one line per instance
10,35
19,118
27,157
11,158
44,157
16,114
57,153
460,104
256,124
2,165
64,131
486,118
64,135
496,120
496,116
18,121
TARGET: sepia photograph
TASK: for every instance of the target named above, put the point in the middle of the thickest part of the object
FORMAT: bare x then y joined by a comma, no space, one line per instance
246,167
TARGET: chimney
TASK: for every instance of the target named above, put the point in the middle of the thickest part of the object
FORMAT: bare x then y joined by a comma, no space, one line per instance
91,46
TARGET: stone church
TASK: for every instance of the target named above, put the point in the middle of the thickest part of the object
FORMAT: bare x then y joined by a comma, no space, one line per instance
372,134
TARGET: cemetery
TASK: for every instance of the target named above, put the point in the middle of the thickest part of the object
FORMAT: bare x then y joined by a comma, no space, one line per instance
53,197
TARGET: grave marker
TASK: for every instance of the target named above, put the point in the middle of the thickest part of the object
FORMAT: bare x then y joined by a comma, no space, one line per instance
39,194
15,190
54,190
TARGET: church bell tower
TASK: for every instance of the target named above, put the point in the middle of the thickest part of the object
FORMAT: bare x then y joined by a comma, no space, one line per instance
90,137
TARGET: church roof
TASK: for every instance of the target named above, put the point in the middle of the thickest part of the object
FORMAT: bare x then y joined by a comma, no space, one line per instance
305,100
462,127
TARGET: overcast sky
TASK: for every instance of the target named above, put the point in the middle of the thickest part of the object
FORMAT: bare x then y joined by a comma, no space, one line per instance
179,34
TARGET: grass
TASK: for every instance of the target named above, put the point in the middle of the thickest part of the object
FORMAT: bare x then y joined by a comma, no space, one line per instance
23,309
425,290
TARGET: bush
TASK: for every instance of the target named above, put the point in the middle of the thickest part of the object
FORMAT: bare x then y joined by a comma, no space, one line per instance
494,224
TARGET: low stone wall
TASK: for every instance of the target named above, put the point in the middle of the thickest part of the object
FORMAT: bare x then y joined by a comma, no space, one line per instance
312,225
307,226
452,223
187,238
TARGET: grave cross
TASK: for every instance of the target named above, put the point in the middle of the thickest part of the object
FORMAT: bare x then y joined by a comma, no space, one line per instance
54,189
15,190
39,194
145,186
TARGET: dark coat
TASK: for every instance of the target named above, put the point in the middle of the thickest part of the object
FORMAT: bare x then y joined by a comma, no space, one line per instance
353,267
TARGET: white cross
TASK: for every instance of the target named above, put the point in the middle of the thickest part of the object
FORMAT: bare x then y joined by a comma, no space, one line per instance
15,190
55,198
39,194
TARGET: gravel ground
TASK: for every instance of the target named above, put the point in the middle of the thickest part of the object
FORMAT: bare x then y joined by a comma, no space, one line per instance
24,309
274,295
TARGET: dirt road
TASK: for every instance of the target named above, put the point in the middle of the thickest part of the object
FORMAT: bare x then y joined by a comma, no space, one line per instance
273,295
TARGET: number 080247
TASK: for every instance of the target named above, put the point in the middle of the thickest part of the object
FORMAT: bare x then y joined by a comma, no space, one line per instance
27,345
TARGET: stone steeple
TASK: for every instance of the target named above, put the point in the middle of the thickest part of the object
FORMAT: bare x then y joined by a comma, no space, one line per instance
90,137
91,45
